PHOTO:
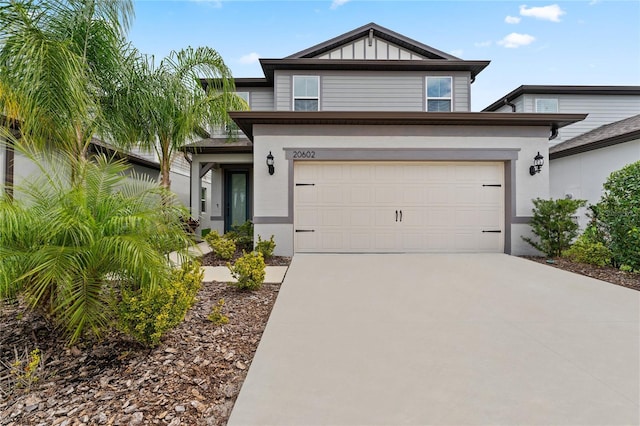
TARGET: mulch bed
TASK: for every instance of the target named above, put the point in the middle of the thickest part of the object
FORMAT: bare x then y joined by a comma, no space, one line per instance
605,273
192,378
210,259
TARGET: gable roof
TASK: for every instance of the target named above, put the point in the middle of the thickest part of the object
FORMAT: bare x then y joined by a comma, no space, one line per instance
562,90
373,30
610,134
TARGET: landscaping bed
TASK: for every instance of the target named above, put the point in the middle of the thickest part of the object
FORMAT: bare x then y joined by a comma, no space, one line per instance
211,260
604,273
192,378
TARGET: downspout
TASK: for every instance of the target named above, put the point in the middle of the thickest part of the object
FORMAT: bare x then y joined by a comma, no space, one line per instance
513,106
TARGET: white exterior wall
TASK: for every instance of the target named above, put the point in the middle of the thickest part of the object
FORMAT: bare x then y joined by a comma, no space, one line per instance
582,175
271,193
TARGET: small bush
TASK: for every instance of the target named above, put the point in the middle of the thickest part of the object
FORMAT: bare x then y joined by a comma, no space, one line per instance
204,232
249,270
216,316
211,237
584,250
266,247
554,225
242,235
24,372
223,248
147,316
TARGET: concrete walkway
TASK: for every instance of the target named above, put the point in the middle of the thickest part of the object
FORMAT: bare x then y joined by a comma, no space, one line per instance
444,340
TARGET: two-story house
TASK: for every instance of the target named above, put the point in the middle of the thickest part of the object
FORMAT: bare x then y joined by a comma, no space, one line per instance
365,143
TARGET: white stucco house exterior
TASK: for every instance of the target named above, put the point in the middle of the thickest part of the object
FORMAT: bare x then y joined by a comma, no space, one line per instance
580,166
374,149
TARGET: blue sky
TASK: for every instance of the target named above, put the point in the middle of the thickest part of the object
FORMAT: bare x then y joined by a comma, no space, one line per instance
591,42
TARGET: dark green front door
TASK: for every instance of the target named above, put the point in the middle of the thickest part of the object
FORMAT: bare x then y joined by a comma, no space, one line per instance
236,198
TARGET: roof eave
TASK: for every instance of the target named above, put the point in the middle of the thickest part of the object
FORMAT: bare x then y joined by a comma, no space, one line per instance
592,146
247,119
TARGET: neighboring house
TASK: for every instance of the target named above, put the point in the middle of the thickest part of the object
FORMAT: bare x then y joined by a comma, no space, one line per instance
365,143
604,104
15,168
580,166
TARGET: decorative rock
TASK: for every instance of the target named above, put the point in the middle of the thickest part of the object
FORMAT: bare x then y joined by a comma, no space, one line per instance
240,365
199,406
180,409
175,422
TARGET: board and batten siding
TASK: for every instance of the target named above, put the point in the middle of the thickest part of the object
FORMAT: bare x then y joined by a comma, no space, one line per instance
373,90
379,49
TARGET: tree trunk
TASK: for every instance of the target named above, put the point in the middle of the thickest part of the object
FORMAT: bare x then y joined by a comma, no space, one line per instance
165,165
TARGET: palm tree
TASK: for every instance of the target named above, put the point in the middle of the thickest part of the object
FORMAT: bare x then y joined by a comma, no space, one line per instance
56,58
161,108
71,248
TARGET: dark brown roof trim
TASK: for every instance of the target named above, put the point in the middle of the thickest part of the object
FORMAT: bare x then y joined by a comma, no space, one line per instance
243,82
563,90
270,65
103,148
247,119
218,145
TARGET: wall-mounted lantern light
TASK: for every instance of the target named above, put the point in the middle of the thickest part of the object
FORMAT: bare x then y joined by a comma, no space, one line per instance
538,161
270,163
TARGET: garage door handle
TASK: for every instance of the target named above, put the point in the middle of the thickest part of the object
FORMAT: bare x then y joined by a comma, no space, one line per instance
305,230
396,215
497,231
400,215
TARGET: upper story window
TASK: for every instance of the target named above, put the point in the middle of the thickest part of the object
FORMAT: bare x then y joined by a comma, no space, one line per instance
547,105
439,94
306,93
244,95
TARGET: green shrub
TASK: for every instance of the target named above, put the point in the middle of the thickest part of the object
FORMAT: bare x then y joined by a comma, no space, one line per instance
249,270
266,247
211,237
242,235
223,248
619,211
585,250
204,232
554,225
216,316
147,316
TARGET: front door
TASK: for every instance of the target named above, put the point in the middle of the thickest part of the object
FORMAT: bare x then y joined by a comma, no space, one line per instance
236,200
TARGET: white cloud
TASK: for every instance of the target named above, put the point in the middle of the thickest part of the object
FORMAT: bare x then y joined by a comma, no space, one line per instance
483,43
337,3
547,13
515,40
593,2
457,52
512,20
250,58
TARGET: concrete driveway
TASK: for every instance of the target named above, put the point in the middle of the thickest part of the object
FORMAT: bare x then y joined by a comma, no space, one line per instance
466,339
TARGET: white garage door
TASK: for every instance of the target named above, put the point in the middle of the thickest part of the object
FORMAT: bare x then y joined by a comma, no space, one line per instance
381,207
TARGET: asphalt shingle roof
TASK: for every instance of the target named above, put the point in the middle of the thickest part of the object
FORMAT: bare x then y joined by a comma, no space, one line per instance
603,136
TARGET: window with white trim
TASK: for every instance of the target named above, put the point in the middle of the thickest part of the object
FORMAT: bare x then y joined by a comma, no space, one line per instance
232,128
243,95
549,106
439,94
306,93
203,199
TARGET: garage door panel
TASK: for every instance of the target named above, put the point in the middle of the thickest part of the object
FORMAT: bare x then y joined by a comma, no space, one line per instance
444,206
